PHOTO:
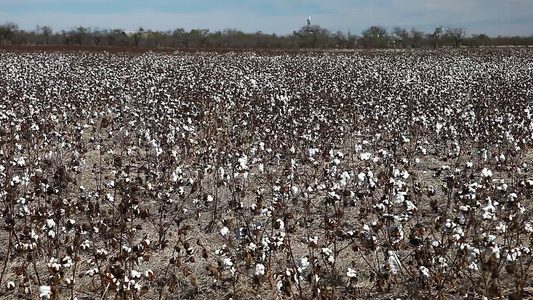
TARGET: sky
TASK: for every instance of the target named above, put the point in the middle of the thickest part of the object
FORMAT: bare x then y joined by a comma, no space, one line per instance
493,17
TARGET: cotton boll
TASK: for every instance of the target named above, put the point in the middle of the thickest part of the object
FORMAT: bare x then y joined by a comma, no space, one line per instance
424,272
227,262
486,173
351,273
259,270
361,176
365,156
294,190
134,274
224,230
45,291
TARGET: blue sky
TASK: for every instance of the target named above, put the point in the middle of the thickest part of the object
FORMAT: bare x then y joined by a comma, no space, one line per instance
494,17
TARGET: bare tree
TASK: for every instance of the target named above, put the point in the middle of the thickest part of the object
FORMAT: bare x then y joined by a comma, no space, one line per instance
436,36
457,34
375,36
45,31
402,36
199,36
7,32
340,39
97,36
418,37
480,40
312,36
138,36
180,37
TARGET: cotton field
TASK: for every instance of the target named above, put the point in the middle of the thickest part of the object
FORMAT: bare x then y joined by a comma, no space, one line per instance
372,174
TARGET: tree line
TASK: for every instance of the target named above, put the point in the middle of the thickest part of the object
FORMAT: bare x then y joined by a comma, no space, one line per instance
309,36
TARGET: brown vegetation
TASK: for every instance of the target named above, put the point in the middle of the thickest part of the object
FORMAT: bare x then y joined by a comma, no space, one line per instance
282,176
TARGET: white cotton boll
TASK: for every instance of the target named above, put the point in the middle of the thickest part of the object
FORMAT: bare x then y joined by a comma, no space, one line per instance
259,270
294,190
410,206
86,245
303,263
10,285
21,162
502,228
33,235
439,127
279,285
464,208
260,168
252,246
361,176
486,173
473,267
327,251
224,230
243,162
393,262
331,259
50,223
134,274
209,198
351,273
281,224
158,151
44,291
15,180
110,197
365,156
228,262
424,272
528,227
488,211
